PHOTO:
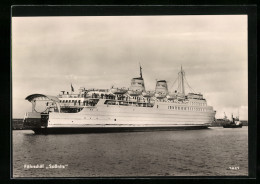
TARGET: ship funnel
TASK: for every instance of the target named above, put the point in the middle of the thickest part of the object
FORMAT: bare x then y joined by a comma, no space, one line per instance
137,84
161,89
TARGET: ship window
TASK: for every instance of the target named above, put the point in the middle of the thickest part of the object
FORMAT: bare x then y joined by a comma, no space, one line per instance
157,106
178,108
69,101
66,101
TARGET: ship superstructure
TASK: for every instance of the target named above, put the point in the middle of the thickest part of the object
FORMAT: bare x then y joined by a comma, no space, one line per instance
121,109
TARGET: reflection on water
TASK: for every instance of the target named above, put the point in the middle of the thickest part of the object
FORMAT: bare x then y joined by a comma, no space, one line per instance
208,152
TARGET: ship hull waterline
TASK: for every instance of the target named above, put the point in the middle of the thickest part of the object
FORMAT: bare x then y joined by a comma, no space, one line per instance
78,130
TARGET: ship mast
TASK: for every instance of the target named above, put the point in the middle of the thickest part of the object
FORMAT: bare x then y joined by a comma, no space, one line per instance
181,75
141,71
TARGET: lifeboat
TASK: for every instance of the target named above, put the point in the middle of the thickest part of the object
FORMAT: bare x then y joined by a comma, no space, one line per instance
171,96
147,94
118,91
160,95
134,93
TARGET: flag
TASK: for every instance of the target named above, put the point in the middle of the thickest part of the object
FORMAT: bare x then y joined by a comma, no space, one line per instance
72,89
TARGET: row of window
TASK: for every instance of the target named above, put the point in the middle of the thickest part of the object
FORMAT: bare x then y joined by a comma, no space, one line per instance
198,104
187,108
69,101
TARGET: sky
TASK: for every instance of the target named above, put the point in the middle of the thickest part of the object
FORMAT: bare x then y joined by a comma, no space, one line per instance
51,53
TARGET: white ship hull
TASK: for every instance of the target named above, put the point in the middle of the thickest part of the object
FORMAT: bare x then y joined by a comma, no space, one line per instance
115,116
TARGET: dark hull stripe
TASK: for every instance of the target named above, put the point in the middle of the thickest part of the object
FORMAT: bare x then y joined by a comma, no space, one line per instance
111,129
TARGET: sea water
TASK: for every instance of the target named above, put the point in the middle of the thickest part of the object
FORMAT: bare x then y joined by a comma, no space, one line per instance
209,152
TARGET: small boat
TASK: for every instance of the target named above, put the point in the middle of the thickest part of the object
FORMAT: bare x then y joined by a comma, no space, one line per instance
171,96
160,95
134,93
118,91
235,123
231,125
148,94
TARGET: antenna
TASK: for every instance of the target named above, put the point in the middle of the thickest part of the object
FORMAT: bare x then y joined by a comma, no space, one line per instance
140,70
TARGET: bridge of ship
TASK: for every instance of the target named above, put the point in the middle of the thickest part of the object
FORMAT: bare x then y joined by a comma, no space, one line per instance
34,98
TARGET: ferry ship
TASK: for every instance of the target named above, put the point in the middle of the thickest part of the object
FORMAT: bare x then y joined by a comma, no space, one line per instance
120,109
